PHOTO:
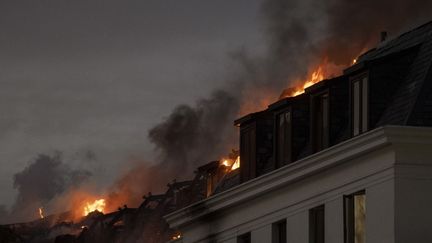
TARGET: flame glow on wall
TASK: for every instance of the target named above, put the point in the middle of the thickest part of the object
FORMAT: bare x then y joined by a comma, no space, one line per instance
97,205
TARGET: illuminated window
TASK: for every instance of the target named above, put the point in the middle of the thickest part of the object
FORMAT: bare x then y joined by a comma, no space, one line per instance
244,238
359,105
283,138
279,232
355,217
316,225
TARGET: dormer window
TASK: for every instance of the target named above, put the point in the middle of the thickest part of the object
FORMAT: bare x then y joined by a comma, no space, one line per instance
283,138
359,87
320,121
248,152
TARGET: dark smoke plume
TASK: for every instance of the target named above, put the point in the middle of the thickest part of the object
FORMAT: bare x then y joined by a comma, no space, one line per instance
42,181
192,135
301,35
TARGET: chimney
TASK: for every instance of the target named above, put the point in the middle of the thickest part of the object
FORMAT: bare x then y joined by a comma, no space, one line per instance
383,36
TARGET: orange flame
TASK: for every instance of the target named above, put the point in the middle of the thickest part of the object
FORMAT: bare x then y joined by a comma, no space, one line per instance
226,163
316,76
41,215
97,205
231,164
177,236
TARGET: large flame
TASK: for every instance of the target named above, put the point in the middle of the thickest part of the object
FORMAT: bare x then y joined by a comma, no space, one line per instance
317,75
97,205
320,72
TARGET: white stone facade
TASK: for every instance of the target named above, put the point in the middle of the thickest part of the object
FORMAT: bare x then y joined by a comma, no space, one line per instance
392,164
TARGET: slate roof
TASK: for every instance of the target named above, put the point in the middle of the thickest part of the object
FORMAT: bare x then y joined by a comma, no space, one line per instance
411,102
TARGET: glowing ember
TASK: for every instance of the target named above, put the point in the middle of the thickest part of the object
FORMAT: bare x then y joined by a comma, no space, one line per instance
231,164
41,213
97,205
354,61
226,163
177,236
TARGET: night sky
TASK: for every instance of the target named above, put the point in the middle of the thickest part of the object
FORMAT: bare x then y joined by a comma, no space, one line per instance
89,78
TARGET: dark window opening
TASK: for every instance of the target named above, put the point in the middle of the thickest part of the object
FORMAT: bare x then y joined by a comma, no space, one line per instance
316,225
244,238
321,122
359,89
283,138
279,232
355,217
247,153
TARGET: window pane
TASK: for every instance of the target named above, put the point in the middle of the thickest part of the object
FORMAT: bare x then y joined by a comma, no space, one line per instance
325,120
360,218
245,238
287,140
283,146
247,153
355,218
279,234
364,105
280,140
356,108
316,225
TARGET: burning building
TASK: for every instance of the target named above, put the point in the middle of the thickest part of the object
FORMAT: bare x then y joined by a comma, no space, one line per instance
345,159
92,222
342,159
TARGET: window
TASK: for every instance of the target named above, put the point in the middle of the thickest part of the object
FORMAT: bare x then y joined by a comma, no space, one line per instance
359,89
316,225
279,232
355,217
283,138
247,153
244,238
321,121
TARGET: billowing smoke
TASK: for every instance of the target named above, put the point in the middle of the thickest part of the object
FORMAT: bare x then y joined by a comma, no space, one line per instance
183,142
300,33
355,25
44,179
184,137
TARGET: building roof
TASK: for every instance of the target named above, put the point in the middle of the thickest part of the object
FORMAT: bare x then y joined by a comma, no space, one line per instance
412,95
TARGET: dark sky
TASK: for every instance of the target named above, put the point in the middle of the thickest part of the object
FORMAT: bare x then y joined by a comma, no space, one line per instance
96,75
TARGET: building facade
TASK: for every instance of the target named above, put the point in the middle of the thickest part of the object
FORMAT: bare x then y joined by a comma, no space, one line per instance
348,161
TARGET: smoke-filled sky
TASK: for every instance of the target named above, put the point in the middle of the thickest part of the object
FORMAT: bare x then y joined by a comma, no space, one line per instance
96,75
95,87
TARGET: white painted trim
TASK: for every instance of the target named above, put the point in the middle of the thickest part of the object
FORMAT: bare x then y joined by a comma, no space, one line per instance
316,163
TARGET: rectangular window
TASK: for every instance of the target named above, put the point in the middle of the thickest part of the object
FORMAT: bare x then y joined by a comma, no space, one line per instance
279,232
360,105
283,139
355,217
316,225
321,122
247,153
244,238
